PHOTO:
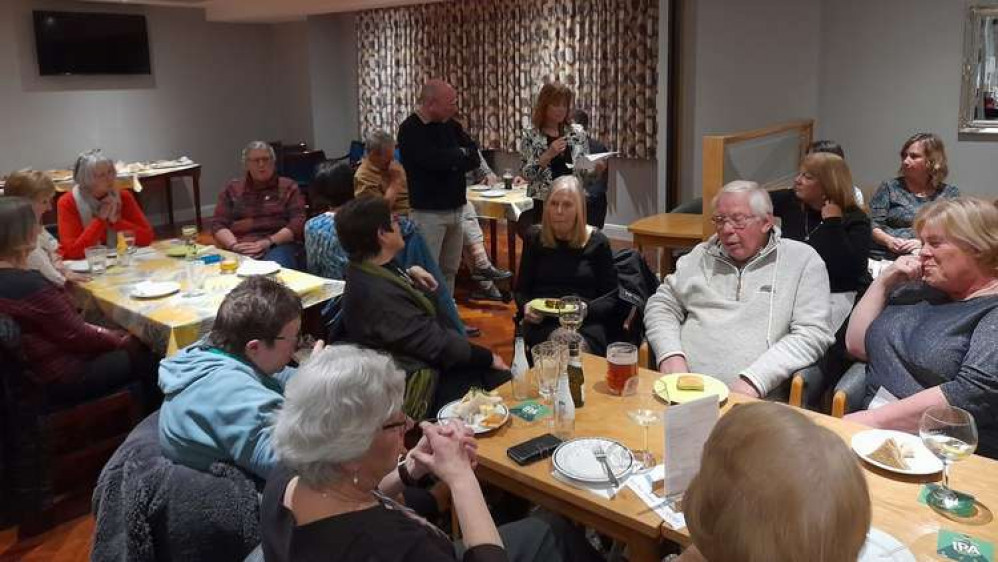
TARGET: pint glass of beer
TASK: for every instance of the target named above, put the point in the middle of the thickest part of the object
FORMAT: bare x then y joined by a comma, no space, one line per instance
621,365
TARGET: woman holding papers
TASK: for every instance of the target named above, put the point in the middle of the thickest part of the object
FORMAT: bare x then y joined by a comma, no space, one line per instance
552,147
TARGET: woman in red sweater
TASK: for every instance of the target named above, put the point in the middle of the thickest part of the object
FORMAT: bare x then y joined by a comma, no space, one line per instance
95,209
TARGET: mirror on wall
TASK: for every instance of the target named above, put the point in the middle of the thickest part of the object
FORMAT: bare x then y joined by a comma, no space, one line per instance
979,100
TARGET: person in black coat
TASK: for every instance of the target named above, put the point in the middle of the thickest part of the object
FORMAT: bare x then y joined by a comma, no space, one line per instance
565,257
385,306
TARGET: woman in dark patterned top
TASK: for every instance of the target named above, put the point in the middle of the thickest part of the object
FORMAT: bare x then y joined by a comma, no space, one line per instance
928,325
71,360
894,205
340,437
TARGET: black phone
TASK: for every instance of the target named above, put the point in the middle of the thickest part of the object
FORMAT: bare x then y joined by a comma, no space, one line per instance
534,449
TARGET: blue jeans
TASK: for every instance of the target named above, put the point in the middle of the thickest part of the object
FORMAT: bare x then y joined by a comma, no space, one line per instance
416,252
284,254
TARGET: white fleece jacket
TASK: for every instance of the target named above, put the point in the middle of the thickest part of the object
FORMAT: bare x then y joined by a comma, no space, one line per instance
764,321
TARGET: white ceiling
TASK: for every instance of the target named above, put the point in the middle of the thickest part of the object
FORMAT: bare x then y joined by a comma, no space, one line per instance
269,10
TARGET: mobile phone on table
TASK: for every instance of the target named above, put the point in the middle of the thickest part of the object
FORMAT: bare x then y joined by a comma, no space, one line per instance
534,449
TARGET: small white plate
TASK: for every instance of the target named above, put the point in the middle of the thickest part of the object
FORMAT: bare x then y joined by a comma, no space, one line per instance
922,464
480,187
79,266
494,193
250,268
881,547
576,459
448,412
154,289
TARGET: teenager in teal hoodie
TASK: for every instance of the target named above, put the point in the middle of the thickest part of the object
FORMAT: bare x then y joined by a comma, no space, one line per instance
221,392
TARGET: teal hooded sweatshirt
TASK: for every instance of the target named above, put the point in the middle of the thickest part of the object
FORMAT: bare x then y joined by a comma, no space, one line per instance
218,407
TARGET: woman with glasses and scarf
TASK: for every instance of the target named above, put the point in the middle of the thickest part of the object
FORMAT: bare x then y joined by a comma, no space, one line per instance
95,211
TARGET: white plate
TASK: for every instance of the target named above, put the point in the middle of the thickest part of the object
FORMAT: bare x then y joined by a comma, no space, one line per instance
881,547
922,464
575,459
251,267
494,193
448,412
480,187
154,289
79,266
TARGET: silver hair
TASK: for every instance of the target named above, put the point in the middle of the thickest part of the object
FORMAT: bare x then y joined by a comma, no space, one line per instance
86,165
378,141
333,408
759,201
258,145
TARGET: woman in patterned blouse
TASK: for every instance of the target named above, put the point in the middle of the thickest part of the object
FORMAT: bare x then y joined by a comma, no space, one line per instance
550,148
920,180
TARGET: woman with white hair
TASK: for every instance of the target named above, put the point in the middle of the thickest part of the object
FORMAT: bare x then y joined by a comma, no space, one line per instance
339,437
928,326
567,257
96,210
261,215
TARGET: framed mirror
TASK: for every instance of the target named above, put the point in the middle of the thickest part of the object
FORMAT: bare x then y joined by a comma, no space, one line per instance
979,96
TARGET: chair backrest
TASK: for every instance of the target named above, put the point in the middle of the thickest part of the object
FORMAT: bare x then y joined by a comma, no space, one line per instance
301,166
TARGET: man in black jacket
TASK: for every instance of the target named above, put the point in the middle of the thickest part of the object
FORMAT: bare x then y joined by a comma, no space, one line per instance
436,153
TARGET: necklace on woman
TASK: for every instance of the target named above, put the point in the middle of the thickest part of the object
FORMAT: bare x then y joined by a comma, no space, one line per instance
809,232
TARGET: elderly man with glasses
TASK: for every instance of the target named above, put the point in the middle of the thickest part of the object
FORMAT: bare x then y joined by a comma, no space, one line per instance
261,215
747,306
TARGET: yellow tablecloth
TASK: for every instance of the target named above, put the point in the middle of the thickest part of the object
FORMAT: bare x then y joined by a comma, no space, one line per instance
508,207
170,323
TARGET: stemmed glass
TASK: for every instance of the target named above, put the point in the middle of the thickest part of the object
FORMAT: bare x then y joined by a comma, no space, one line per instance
645,410
951,434
571,312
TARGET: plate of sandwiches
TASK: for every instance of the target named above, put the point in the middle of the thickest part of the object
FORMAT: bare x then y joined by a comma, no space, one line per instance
896,451
679,388
482,411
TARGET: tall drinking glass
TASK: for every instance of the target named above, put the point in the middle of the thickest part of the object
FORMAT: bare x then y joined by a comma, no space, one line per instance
96,259
548,359
951,434
125,254
195,271
621,365
645,410
189,234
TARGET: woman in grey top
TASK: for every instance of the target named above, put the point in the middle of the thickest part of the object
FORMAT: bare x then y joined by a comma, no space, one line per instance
928,325
920,180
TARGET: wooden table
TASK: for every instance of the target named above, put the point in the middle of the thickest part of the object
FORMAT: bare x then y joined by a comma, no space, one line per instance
507,208
667,231
894,498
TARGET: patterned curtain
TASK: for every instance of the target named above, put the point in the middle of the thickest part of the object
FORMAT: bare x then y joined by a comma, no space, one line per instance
498,53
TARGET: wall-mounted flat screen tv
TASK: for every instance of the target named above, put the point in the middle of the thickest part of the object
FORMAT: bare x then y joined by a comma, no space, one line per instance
91,43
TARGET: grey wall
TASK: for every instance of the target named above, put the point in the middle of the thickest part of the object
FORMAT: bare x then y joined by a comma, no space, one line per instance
890,68
332,45
746,65
291,82
209,94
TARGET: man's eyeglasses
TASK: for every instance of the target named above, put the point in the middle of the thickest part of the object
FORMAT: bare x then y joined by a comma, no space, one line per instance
260,160
737,222
407,422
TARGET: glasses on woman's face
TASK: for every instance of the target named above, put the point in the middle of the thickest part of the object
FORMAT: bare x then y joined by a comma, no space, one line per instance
405,423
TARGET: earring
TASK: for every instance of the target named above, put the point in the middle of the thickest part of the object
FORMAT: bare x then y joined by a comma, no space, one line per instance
356,479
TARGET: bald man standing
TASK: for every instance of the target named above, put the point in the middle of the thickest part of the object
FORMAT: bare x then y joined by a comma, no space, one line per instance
436,153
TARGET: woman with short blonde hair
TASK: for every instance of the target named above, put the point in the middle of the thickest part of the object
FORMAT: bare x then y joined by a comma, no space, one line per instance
566,257
774,486
928,326
820,210
38,188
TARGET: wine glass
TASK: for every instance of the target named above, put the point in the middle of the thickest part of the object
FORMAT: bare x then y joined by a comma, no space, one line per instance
645,410
571,312
951,434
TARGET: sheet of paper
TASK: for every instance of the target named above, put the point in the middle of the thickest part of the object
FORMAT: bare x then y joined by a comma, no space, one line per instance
588,161
881,398
686,429
643,486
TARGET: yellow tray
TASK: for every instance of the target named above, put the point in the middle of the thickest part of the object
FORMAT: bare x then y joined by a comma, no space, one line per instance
665,388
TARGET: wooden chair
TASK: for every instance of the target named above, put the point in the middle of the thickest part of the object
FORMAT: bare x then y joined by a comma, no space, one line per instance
50,454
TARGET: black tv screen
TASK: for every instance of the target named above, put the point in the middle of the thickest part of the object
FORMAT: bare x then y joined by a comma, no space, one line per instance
91,43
